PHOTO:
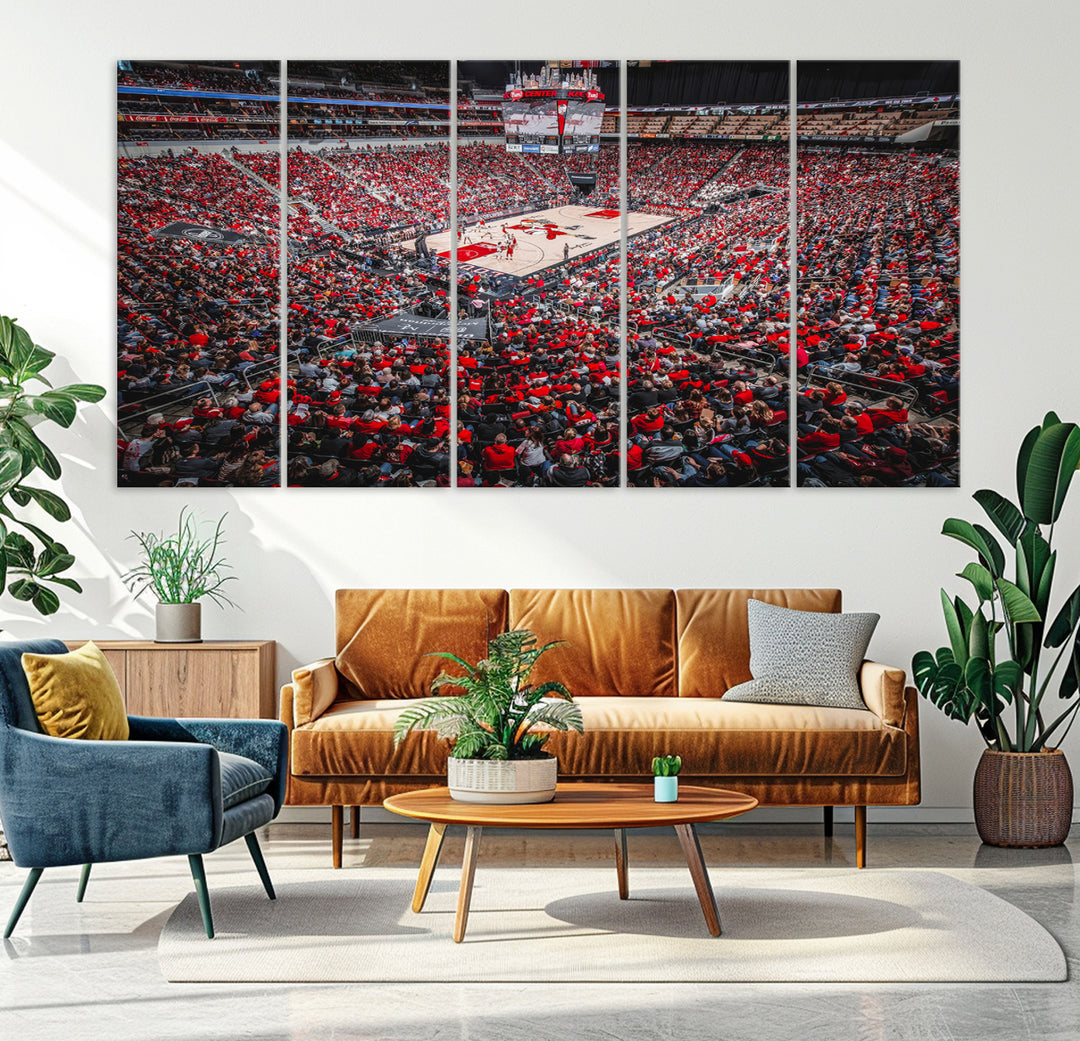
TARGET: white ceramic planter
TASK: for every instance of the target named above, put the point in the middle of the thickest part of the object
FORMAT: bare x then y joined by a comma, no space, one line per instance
178,623
502,780
666,789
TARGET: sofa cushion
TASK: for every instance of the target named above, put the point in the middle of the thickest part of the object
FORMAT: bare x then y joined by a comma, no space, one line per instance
714,634
315,689
620,641
805,657
622,734
383,635
76,694
241,779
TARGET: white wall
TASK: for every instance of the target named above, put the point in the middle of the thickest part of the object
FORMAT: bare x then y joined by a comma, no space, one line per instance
293,548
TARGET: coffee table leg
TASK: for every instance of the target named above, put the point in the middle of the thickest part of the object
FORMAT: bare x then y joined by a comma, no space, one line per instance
468,869
436,834
621,862
696,862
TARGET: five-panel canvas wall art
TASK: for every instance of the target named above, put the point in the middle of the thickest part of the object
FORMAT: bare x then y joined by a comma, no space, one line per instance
567,273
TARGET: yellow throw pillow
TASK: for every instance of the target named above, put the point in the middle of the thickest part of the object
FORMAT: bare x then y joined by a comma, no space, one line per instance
76,695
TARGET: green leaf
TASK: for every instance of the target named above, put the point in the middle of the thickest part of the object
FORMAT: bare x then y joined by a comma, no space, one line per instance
68,583
26,357
1032,554
957,630
1066,620
18,550
50,563
978,638
980,540
1070,680
50,502
1005,516
10,469
33,448
23,589
924,668
1018,606
979,680
1050,468
981,579
46,601
90,392
1022,459
60,408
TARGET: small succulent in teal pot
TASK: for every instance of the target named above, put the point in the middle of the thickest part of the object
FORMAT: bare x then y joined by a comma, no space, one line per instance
665,770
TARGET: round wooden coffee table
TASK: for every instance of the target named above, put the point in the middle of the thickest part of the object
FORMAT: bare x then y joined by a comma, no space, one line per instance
576,805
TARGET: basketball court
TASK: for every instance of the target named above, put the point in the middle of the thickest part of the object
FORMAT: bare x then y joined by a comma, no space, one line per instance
542,238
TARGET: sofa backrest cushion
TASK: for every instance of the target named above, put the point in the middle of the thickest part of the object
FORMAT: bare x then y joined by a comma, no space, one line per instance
621,642
714,634
383,635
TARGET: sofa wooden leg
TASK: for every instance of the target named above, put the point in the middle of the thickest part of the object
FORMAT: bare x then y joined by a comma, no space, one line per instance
354,822
860,836
827,814
337,826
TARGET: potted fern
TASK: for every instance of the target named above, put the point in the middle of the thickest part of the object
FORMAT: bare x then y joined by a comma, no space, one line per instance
497,755
181,568
1023,791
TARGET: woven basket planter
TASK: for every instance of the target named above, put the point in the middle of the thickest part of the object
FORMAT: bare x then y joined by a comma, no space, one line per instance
502,780
1023,798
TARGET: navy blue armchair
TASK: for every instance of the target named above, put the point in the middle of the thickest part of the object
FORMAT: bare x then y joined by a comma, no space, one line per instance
176,787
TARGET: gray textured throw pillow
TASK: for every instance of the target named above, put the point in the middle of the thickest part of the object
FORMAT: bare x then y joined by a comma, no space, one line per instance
805,657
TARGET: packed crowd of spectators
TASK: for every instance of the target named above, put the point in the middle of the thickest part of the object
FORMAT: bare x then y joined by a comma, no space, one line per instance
538,396
367,415
878,328
252,78
539,404
197,325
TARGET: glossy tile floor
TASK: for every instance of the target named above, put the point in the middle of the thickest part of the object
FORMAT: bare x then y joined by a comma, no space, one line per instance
90,971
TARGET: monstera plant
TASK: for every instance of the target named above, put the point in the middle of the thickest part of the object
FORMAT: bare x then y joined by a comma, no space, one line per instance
1013,663
32,562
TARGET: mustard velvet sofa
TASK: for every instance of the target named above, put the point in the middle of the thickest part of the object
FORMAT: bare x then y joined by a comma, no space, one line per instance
649,668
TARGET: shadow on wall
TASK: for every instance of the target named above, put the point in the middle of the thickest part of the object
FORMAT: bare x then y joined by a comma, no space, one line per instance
272,581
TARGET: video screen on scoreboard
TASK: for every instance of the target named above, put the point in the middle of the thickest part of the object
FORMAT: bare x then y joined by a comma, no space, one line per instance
583,118
531,118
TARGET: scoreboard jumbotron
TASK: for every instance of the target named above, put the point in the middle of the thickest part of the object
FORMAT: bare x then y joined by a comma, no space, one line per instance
552,121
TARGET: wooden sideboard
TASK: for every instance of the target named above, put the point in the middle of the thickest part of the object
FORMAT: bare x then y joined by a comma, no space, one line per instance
217,678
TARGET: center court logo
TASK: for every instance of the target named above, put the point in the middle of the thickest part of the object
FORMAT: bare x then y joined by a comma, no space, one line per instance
203,235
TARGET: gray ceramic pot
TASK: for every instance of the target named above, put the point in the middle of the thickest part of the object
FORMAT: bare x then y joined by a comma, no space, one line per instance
178,623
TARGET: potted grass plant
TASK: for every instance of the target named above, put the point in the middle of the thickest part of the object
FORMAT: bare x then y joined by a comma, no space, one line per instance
181,568
1022,696
497,753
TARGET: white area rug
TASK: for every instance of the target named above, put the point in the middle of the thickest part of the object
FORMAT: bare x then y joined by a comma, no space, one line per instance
555,925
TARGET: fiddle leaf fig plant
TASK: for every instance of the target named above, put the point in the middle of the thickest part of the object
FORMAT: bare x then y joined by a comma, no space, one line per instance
31,560
971,679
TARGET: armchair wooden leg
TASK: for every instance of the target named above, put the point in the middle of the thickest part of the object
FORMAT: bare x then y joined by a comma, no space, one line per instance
260,864
354,822
337,824
198,873
24,899
860,836
83,879
827,814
